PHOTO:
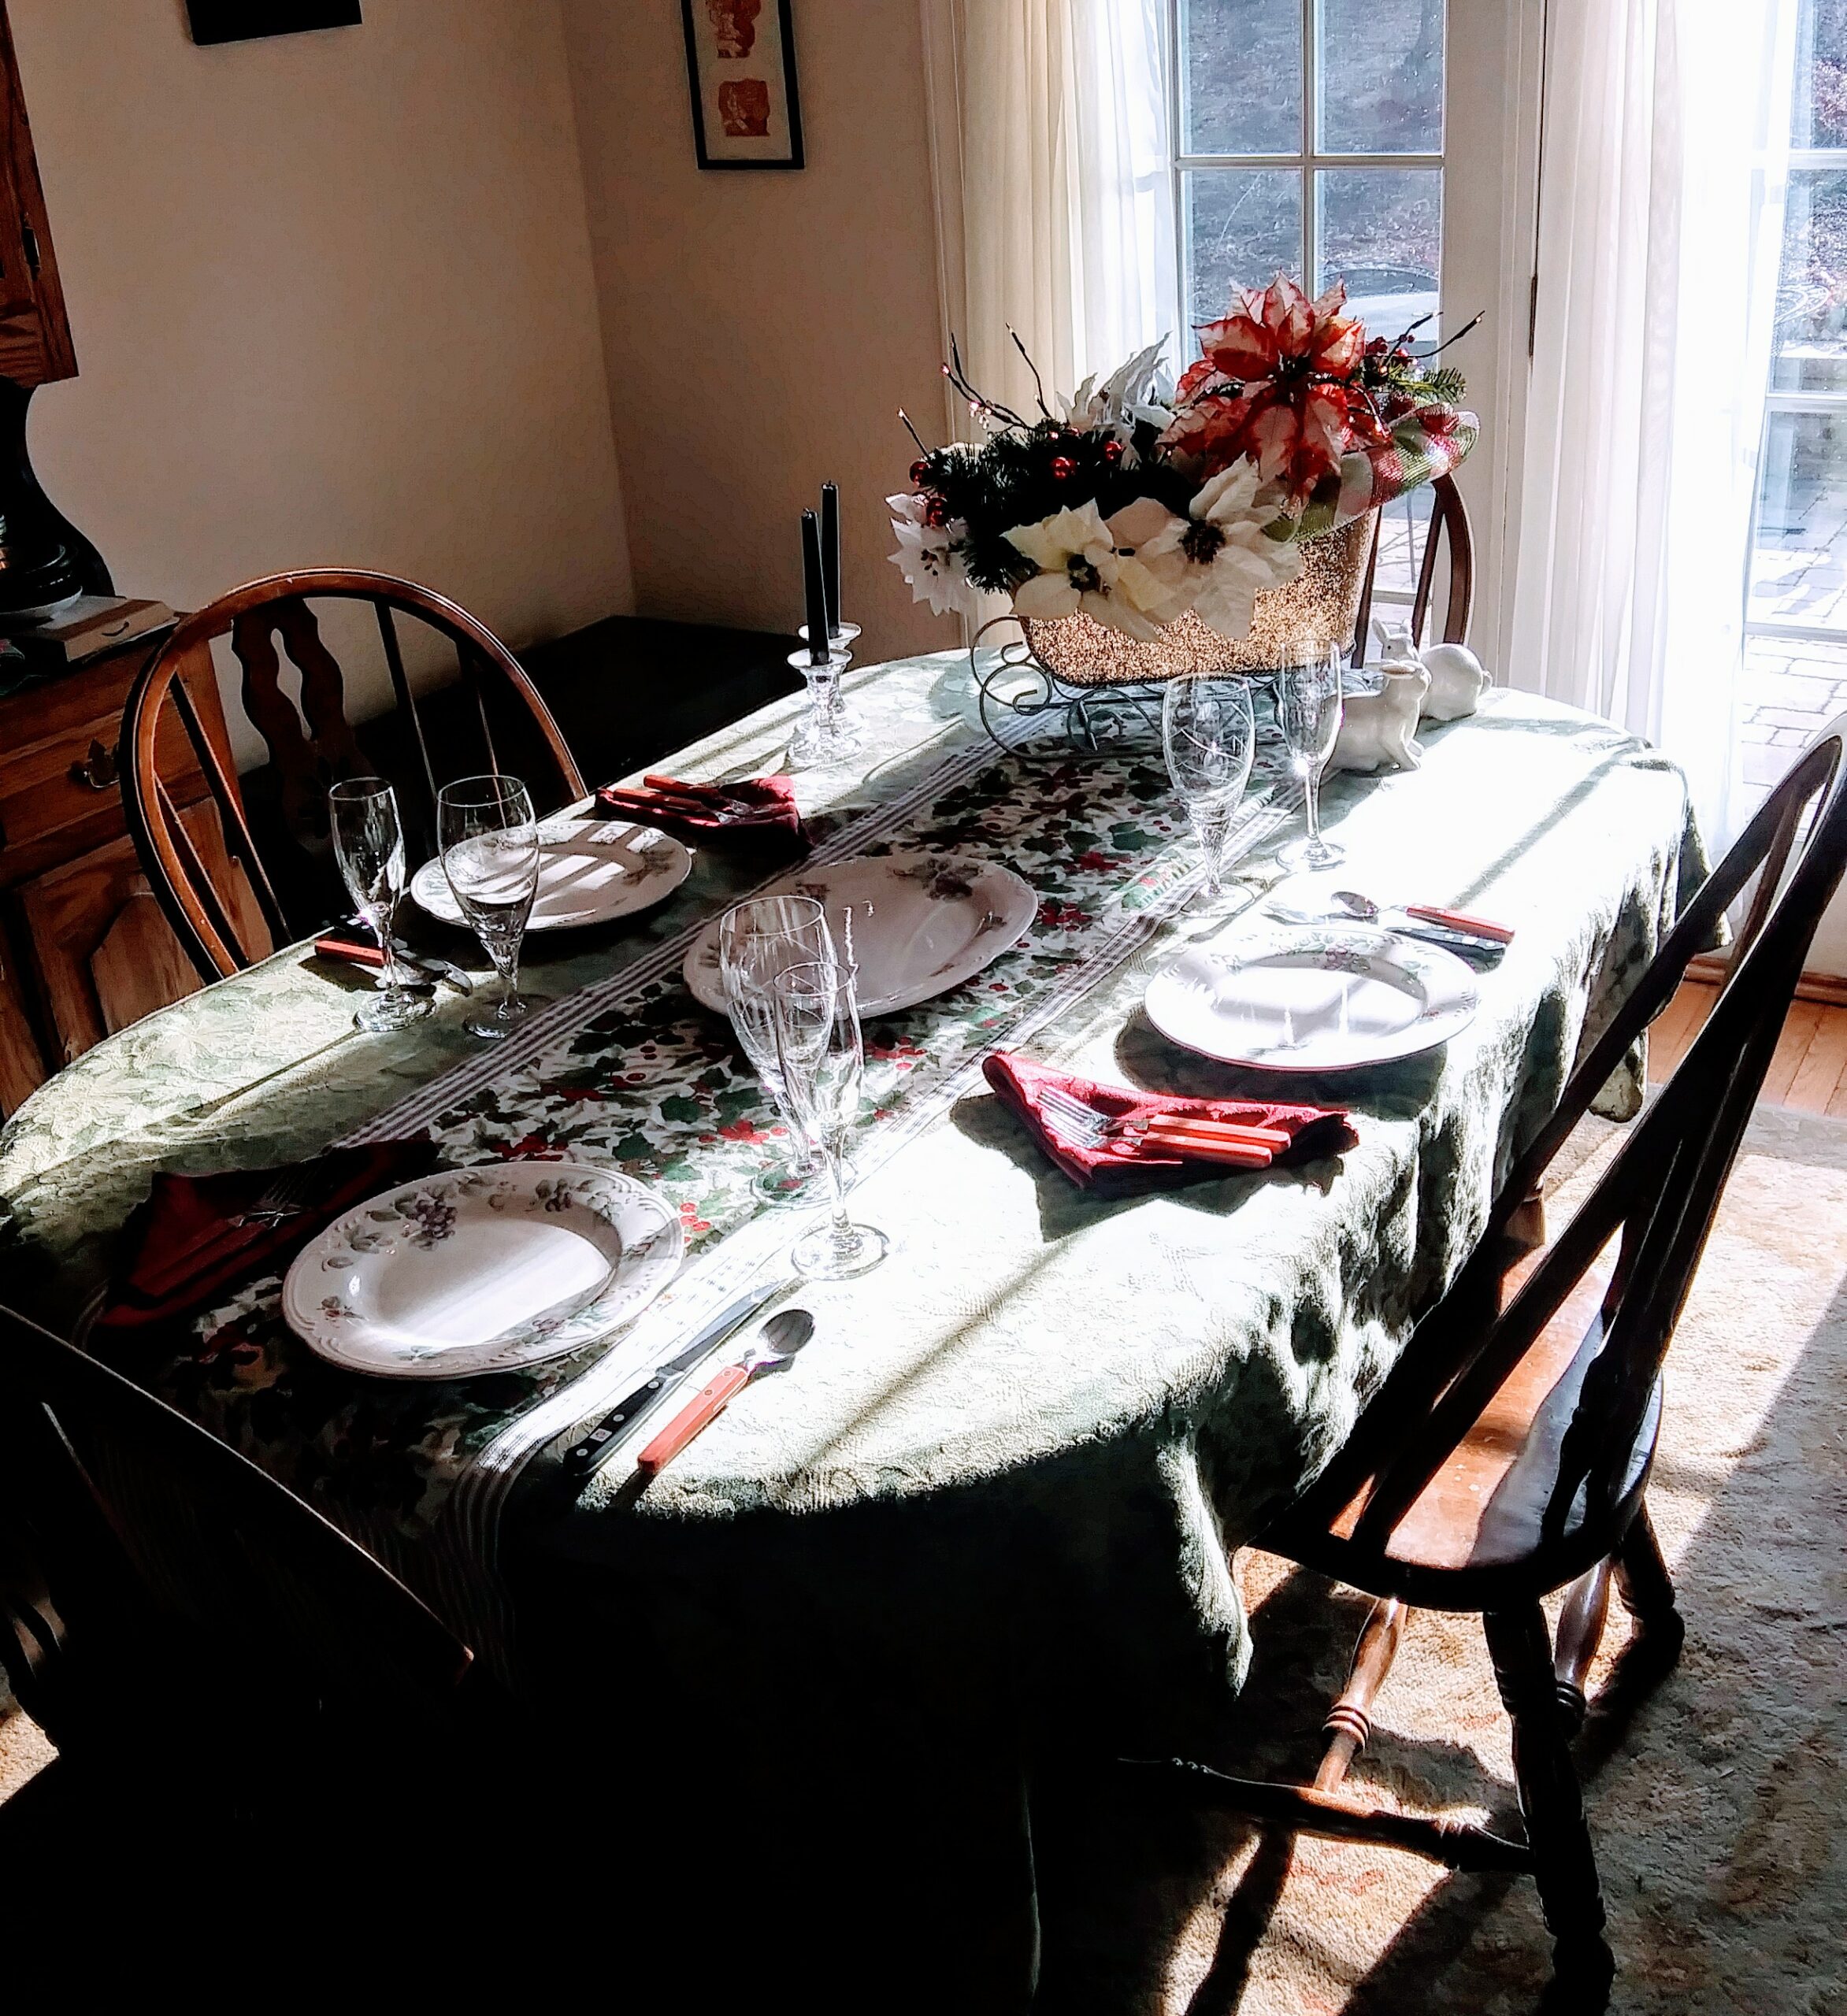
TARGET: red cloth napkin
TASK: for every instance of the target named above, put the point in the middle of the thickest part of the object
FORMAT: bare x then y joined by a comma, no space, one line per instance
1120,1169
758,807
183,1246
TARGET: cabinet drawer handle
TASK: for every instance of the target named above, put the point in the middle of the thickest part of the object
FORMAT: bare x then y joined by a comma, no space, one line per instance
97,769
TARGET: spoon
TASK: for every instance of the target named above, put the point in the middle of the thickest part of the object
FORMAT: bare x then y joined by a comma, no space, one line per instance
776,1343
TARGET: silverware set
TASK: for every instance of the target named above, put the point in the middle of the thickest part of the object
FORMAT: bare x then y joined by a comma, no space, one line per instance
782,1337
1476,941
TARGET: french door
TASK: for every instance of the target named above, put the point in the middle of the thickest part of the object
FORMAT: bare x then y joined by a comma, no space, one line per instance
1391,144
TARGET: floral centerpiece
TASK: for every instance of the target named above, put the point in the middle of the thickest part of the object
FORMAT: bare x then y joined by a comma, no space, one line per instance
1147,508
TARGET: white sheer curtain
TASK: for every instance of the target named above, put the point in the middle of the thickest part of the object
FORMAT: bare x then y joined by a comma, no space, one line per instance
1055,197
1659,225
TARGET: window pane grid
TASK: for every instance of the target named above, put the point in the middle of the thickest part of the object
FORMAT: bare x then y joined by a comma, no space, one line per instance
1362,162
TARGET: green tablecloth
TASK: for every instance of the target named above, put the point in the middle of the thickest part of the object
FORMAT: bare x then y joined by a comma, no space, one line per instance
1014,1461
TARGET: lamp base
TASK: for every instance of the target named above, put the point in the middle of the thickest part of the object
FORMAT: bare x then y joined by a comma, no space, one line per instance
45,561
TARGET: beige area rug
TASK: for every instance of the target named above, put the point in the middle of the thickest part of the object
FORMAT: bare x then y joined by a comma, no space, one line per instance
23,1751
1718,1803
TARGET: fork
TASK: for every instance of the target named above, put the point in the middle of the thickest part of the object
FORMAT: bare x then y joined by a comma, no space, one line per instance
285,1196
1081,1125
1219,1140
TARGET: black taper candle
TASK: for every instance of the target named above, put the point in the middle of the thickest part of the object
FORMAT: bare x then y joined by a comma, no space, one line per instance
830,555
814,596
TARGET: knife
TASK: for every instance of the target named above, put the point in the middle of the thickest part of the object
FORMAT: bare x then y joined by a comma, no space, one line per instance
581,1460
362,949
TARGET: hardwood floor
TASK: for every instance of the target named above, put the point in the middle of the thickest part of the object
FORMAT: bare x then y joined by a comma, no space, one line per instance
1809,1071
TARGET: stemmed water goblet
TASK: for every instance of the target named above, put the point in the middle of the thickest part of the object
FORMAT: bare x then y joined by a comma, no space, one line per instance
1209,734
488,839
368,844
758,940
1308,709
821,1056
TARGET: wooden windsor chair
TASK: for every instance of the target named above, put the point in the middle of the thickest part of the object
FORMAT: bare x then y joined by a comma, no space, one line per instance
124,1516
493,718
1448,535
216,1664
1506,1456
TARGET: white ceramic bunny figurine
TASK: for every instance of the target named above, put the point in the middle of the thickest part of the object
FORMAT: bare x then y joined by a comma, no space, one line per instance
1457,681
1382,727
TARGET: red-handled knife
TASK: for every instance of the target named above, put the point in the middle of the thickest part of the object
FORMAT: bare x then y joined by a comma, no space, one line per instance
1477,926
782,1337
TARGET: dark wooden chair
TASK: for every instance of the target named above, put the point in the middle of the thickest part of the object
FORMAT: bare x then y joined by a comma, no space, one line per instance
1506,1457
171,1612
286,885
227,1676
1448,534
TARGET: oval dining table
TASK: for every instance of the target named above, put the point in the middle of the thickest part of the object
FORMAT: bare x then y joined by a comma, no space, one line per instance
990,1512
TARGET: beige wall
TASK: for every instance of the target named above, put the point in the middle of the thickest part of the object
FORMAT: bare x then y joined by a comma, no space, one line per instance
762,328
332,302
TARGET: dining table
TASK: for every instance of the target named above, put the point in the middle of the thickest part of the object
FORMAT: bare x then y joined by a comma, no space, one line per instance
992,1508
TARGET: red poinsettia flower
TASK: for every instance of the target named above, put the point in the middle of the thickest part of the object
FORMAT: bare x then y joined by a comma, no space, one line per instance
1278,384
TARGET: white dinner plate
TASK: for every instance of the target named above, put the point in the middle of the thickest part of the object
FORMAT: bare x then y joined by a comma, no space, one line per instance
918,924
590,872
1309,999
475,1270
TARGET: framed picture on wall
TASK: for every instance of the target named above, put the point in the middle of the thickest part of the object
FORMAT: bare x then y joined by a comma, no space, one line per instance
740,60
249,20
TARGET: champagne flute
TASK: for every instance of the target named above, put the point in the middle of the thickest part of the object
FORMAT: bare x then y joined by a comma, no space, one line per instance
489,843
758,940
822,1059
1308,707
368,844
1209,734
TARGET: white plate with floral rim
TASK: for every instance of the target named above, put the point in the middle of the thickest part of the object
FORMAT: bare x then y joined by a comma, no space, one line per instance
918,924
591,871
474,1270
1307,999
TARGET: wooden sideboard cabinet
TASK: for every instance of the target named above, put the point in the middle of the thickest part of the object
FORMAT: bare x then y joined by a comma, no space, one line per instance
84,948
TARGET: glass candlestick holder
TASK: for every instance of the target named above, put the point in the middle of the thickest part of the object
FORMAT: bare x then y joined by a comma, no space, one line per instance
841,637
825,736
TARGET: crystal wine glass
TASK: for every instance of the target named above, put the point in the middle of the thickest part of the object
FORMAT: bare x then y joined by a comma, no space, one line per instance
822,1060
758,942
1308,706
1209,734
368,844
489,843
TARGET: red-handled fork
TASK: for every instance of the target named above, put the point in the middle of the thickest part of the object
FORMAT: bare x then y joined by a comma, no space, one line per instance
782,1337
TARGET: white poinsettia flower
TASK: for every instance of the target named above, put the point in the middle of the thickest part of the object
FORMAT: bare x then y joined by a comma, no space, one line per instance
1079,572
1153,573
930,557
1245,559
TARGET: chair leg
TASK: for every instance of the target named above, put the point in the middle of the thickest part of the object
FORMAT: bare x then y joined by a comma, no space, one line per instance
1646,1589
1563,1863
1580,1631
1349,1727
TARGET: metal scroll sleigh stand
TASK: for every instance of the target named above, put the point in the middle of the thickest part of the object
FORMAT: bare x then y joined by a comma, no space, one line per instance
1017,685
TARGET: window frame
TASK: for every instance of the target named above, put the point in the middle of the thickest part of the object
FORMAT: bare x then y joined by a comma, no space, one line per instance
1308,161
1826,160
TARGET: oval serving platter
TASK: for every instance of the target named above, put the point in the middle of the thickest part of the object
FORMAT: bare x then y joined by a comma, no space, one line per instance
475,1270
591,871
918,924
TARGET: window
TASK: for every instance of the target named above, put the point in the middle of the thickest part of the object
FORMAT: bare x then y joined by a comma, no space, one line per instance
1796,627
1309,139
1311,124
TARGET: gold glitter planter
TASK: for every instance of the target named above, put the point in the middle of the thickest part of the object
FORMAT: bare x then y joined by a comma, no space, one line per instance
1317,611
